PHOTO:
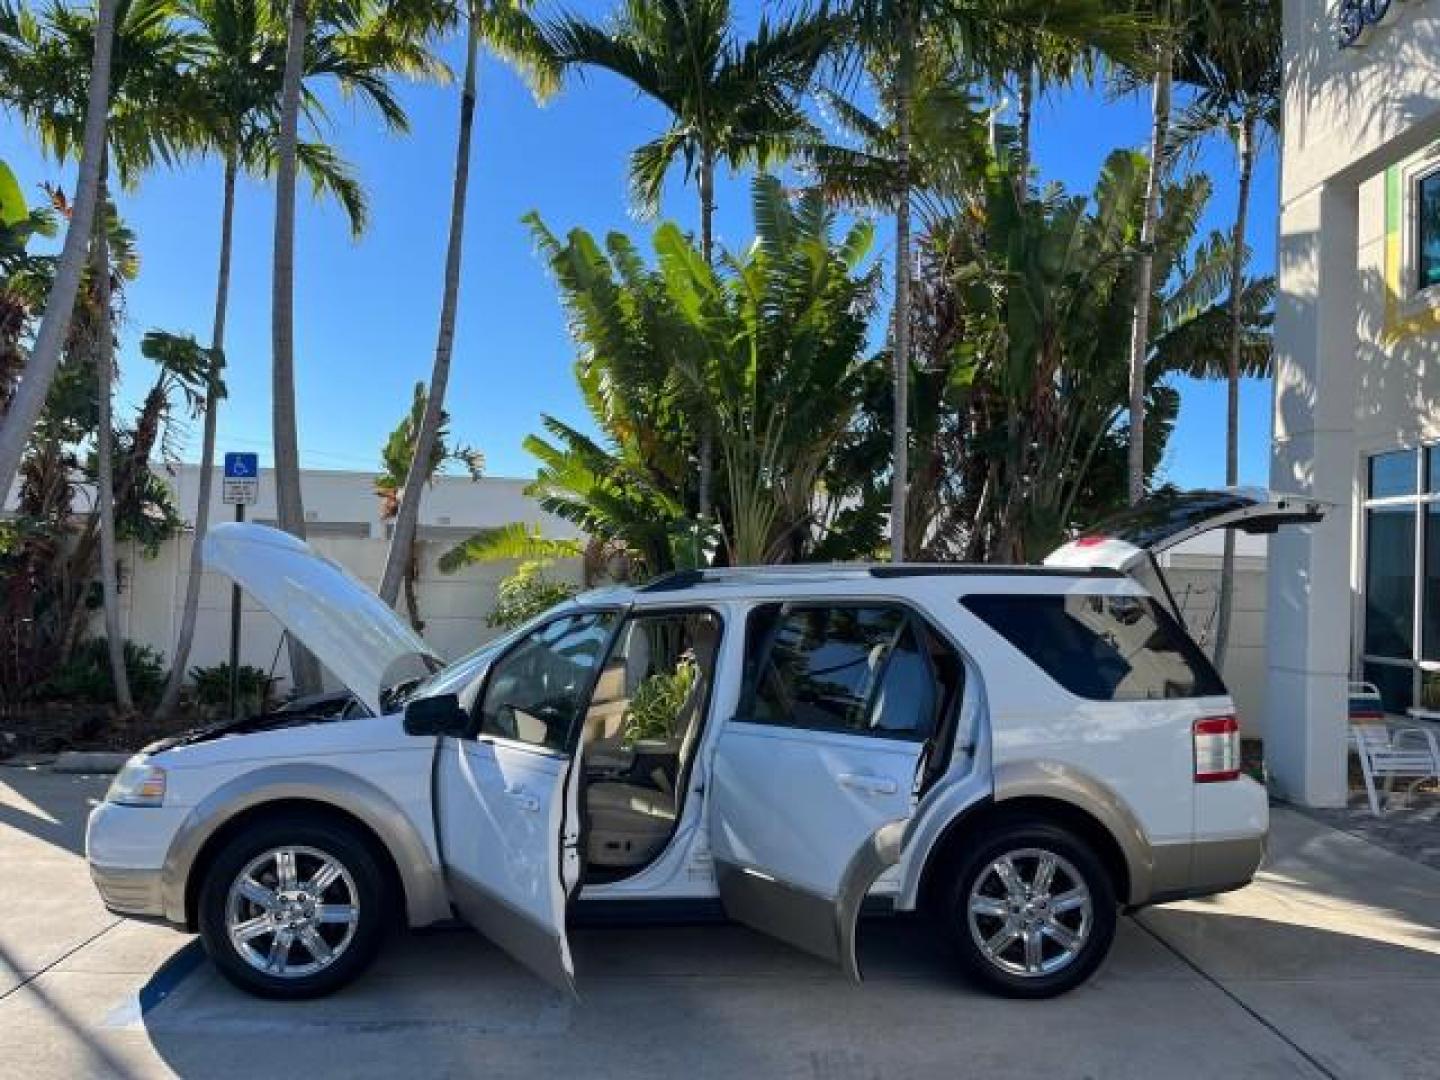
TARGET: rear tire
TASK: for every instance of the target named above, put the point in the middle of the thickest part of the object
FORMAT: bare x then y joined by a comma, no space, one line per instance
293,907
1030,910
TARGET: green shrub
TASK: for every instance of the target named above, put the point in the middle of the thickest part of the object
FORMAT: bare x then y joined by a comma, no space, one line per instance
526,593
86,675
212,687
657,702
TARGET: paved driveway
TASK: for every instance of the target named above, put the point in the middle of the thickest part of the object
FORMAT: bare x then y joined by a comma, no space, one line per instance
1329,966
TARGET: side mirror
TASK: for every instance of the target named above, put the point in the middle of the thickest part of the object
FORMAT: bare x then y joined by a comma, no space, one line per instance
439,715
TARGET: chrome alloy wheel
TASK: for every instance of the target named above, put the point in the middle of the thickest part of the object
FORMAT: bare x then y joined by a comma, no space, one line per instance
1030,912
292,911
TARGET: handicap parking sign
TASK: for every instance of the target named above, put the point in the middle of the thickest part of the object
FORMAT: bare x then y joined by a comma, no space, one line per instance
242,479
242,466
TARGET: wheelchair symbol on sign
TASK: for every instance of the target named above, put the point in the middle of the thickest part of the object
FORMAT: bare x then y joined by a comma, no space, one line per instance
241,466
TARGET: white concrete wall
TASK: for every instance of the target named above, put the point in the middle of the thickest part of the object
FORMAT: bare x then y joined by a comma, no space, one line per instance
1196,584
453,606
1341,387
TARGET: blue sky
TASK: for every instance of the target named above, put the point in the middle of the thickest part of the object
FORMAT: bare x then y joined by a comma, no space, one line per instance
366,310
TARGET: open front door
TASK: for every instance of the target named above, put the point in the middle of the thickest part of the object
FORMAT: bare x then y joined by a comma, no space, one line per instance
813,783
1132,540
506,798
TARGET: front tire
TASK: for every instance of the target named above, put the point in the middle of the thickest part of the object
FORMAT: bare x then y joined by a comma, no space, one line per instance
1030,910
293,907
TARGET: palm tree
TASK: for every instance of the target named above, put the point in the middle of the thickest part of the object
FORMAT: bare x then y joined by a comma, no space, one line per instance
891,39
1033,58
23,88
149,118
358,30
1027,302
1140,321
236,74
729,100
949,149
1234,61
506,28
397,459
775,334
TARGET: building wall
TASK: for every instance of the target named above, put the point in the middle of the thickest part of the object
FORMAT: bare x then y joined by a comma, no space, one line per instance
344,524
1347,380
453,606
1397,392
1345,109
1193,571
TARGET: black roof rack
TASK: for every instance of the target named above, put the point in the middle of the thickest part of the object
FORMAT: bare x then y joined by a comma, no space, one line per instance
679,580
905,570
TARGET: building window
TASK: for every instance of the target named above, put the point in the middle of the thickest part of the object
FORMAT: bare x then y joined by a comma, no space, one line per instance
1400,635
1427,231
1392,475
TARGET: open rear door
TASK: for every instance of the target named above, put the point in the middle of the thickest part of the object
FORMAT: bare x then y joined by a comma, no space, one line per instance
1132,540
813,784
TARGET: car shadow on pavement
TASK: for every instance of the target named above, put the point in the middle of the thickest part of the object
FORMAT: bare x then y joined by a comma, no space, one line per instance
720,1000
52,807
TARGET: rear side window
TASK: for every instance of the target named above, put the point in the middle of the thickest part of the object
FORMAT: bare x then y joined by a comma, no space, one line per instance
1104,648
849,668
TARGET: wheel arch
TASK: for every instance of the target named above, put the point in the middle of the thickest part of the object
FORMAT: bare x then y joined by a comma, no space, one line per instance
1048,792
989,814
338,795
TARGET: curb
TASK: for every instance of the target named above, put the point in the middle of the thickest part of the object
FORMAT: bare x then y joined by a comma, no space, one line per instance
89,761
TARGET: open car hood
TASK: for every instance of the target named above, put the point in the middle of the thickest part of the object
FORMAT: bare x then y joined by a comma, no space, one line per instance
1132,538
350,630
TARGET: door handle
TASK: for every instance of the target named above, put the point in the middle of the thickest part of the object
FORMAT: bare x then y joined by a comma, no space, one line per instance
524,798
868,784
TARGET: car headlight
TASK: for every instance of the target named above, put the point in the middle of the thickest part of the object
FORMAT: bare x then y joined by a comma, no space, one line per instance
139,783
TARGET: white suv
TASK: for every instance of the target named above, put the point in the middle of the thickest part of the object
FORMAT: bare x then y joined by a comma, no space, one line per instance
1019,751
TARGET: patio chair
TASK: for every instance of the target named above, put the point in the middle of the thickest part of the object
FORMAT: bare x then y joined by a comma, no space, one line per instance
1411,753
1366,707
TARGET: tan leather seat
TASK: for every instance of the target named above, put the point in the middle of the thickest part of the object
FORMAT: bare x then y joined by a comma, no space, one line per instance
629,824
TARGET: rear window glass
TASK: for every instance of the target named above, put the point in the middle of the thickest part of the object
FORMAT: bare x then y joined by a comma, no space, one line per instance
1104,648
1162,516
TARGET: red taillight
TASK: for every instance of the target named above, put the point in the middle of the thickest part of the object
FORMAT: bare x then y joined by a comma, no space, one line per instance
1217,749
1090,541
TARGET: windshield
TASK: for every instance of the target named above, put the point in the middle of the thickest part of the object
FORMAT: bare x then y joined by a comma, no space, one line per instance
456,676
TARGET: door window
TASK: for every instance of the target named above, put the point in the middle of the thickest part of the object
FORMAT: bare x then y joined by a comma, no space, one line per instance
864,669
536,692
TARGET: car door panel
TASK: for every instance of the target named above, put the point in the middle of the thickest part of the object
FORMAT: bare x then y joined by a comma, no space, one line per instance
502,809
802,823
507,797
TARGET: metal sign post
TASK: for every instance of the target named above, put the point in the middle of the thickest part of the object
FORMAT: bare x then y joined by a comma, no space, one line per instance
239,487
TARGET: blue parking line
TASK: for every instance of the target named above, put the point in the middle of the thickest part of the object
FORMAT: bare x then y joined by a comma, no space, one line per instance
171,974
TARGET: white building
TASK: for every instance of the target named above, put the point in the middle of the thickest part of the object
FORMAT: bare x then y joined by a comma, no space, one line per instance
1356,382
342,515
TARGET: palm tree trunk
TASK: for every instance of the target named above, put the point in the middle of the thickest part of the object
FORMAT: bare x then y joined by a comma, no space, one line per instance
207,452
904,88
707,247
401,554
24,411
104,450
412,599
1245,147
1140,323
1024,121
304,673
